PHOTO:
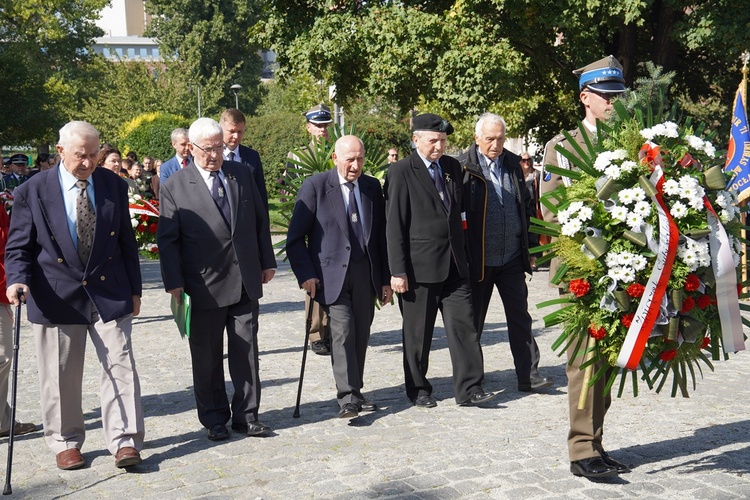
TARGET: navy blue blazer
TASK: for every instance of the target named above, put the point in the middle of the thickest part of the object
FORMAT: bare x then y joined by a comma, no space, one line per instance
41,254
251,158
317,242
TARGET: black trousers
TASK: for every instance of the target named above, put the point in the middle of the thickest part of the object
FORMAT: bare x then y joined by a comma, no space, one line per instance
419,307
207,352
349,319
510,281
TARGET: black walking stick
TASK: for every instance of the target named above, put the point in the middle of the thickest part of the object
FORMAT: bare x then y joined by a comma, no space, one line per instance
308,325
16,337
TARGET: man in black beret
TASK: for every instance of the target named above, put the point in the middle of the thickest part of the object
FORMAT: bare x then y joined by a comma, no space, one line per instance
428,263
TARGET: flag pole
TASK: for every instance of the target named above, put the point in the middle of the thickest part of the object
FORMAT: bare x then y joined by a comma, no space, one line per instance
745,58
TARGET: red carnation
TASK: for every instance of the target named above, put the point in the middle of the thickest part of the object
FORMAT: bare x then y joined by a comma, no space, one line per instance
668,355
154,249
141,228
598,334
627,319
579,287
152,228
692,283
706,342
704,301
144,218
636,290
687,304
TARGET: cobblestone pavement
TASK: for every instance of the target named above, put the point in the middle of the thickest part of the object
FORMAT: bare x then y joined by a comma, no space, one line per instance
514,449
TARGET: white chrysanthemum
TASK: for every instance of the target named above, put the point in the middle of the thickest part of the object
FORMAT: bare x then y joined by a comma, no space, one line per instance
642,208
134,223
694,142
696,202
726,215
633,220
616,273
619,213
672,187
639,262
671,129
563,216
638,193
625,258
602,162
612,171
679,210
137,197
571,227
611,259
626,196
648,133
585,213
709,149
575,206
628,275
723,199
628,166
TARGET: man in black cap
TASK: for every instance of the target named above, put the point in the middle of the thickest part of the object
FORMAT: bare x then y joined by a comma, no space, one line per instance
18,164
318,119
599,83
428,263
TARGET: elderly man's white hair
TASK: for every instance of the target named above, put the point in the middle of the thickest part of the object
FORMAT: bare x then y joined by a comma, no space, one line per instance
77,129
203,128
488,118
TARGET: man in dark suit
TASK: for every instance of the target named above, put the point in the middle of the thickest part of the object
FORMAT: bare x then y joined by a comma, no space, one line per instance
17,176
600,83
497,207
336,247
233,126
215,245
428,263
181,159
72,252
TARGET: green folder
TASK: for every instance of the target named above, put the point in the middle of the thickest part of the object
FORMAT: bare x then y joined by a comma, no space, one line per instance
181,314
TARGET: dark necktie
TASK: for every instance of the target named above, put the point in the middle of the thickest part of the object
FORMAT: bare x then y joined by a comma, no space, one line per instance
231,156
220,196
437,178
85,221
356,235
184,162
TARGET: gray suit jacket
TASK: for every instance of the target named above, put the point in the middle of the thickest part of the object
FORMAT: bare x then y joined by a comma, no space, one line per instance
197,249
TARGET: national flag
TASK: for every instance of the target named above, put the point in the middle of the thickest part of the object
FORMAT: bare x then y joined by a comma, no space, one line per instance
738,152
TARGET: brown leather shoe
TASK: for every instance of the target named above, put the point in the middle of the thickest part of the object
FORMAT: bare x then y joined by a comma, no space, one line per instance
127,456
70,459
19,429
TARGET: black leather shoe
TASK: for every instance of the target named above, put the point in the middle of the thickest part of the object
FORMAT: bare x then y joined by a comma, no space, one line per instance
348,410
367,406
535,383
321,347
218,432
592,467
425,402
619,466
479,398
254,428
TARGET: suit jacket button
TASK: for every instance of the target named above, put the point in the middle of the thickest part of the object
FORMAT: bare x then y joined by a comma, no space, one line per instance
59,261
344,265
234,262
348,248
102,278
112,233
85,283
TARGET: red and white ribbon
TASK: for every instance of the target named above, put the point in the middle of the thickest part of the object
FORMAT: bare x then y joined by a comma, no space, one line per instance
145,208
648,309
727,298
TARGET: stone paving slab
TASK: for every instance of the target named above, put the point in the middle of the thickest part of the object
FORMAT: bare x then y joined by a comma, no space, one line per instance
514,449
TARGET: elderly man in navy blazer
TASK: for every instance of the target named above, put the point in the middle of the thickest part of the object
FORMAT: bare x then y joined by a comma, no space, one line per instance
215,245
72,253
336,247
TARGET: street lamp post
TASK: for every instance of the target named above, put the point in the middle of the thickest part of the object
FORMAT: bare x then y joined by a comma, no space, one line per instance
236,88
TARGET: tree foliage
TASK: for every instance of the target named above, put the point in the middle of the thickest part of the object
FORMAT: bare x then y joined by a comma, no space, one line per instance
42,54
514,57
211,36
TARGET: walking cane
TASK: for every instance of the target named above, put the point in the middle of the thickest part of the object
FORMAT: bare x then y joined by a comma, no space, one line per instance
16,336
308,325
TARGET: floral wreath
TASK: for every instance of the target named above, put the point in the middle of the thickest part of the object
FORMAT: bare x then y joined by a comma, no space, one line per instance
649,241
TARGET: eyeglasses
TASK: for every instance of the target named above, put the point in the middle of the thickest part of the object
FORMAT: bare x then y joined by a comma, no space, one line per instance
525,160
216,150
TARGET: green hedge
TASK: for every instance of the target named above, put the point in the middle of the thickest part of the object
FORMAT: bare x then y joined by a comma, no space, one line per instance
273,136
150,135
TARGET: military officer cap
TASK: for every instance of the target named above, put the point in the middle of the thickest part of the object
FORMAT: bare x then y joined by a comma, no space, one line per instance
19,159
432,123
319,114
604,75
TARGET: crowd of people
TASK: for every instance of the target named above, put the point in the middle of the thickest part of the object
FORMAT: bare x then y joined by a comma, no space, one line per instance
438,235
